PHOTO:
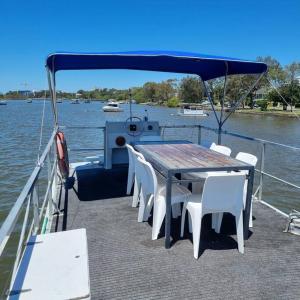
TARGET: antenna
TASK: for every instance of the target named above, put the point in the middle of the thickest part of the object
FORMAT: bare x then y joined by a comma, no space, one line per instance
130,105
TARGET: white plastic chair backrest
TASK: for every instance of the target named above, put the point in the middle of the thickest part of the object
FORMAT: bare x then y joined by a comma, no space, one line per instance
247,158
223,192
212,146
130,157
137,168
150,138
149,179
221,149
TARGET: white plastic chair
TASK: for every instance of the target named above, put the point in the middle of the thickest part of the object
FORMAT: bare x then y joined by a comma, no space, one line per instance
221,193
251,160
154,193
134,174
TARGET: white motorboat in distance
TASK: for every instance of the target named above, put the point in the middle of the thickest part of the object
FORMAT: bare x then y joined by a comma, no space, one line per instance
112,107
192,111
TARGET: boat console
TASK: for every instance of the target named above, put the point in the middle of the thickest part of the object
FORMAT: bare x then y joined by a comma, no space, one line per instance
118,134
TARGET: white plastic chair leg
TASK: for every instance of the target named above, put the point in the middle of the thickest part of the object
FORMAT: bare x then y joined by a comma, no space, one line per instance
190,224
250,217
148,208
142,207
219,218
158,217
141,210
183,219
196,223
240,231
136,192
213,221
130,180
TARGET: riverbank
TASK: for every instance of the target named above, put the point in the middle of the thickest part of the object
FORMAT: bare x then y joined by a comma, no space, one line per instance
273,112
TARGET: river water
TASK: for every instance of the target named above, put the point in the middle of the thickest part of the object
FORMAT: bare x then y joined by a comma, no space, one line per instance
20,124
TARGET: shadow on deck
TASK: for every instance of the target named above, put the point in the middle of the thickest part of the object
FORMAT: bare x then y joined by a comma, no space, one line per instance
126,264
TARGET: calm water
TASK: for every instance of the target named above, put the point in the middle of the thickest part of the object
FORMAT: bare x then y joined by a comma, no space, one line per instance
20,131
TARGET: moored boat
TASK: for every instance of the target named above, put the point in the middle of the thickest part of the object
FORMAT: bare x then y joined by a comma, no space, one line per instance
192,111
112,107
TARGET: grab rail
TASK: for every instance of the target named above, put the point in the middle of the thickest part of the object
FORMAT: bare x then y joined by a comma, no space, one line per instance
30,196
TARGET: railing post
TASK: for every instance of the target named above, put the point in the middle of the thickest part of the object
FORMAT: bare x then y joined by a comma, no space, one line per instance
262,168
199,135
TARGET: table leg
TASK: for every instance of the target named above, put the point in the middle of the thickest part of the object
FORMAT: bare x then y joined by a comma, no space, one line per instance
168,212
248,203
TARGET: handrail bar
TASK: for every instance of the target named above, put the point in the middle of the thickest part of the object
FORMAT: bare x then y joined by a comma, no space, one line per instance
281,180
12,217
81,127
233,134
252,138
85,149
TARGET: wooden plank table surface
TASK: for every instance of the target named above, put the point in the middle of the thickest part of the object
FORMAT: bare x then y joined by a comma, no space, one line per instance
183,157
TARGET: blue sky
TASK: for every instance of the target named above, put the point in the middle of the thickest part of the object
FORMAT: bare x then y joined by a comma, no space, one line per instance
29,30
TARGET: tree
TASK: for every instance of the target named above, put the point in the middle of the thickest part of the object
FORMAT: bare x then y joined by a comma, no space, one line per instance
138,94
190,89
166,90
150,91
290,92
276,73
292,70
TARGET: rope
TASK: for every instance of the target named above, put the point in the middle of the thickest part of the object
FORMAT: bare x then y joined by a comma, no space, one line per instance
41,131
275,88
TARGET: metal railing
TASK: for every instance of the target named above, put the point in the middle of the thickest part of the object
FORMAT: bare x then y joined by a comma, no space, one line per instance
42,211
263,143
39,208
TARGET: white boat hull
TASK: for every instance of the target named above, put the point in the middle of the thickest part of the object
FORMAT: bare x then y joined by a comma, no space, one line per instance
192,113
111,109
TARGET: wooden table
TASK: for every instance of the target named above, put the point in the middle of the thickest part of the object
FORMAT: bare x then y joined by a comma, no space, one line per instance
183,157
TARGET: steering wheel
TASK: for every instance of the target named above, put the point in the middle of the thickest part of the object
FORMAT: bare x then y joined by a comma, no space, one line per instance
134,126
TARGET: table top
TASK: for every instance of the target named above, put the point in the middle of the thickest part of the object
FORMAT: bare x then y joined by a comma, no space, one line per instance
184,157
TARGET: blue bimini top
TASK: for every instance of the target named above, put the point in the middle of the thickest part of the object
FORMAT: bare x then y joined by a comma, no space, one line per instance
206,66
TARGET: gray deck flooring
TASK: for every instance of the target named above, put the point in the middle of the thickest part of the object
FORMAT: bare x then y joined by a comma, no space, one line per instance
126,264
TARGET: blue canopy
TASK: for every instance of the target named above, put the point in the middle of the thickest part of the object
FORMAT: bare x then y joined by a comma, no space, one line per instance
206,66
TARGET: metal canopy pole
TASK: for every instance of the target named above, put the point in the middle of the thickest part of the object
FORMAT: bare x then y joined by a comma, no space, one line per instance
243,97
53,95
211,103
222,105
210,99
219,120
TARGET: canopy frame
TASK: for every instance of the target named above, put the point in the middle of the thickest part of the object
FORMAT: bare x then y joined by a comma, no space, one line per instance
260,69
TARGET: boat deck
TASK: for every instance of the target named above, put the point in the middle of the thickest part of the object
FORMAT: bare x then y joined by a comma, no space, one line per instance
126,264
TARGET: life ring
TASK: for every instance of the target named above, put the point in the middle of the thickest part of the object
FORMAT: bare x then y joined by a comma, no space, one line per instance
62,154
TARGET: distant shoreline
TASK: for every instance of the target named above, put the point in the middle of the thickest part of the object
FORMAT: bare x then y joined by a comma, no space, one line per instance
255,111
258,112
